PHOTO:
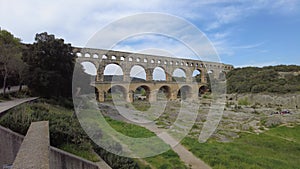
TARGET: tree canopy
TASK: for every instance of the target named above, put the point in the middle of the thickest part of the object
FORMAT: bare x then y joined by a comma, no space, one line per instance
11,64
51,64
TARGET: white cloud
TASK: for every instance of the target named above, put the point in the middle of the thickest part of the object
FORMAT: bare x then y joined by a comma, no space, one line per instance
77,21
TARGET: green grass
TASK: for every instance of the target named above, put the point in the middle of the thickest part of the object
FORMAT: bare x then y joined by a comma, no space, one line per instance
141,105
167,160
278,148
243,102
128,129
84,153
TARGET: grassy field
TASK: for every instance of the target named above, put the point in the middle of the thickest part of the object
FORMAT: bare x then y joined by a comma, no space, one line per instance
277,148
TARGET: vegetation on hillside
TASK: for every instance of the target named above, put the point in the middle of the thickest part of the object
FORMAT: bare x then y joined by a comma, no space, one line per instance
273,79
66,133
65,130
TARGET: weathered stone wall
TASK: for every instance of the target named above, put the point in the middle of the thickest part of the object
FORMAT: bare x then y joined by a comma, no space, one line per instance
10,143
62,160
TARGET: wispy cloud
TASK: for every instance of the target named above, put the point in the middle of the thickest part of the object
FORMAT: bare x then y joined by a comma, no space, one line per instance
78,21
250,46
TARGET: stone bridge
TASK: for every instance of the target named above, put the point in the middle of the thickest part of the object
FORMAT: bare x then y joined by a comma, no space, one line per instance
187,87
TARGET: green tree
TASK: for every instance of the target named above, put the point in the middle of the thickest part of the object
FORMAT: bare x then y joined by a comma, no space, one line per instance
10,56
50,64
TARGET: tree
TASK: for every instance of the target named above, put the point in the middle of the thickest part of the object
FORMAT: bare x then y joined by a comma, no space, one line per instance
50,63
10,55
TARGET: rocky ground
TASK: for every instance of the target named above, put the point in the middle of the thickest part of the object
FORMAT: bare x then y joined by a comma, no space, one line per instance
238,116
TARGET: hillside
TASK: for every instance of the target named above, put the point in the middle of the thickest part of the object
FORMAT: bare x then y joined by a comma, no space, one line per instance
272,79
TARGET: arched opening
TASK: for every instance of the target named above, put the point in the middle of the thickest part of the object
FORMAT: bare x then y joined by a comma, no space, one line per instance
89,68
222,75
184,92
113,72
87,55
104,57
78,54
141,93
164,93
115,93
196,75
202,90
210,74
95,56
159,74
137,73
96,93
179,75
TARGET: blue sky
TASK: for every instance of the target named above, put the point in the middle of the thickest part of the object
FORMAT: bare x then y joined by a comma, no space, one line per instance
255,33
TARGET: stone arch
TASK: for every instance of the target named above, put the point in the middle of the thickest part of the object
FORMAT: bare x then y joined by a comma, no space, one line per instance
113,72
202,90
211,73
78,54
197,73
163,93
184,92
222,75
104,56
87,55
95,55
138,71
116,93
179,75
159,74
142,93
89,67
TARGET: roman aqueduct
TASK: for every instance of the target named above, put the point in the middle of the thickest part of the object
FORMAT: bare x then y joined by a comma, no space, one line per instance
189,87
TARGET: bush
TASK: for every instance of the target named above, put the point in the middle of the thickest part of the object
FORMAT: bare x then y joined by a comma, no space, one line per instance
244,102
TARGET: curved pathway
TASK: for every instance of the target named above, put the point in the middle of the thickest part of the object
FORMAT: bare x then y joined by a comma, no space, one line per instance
10,104
185,155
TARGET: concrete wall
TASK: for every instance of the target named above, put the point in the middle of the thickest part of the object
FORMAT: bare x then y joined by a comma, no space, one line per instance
10,143
34,151
62,160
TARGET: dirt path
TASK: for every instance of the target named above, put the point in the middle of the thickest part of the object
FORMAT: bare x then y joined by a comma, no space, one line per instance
186,156
10,104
